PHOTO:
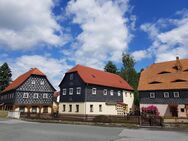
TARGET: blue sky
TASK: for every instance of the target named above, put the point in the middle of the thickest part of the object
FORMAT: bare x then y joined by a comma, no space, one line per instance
54,35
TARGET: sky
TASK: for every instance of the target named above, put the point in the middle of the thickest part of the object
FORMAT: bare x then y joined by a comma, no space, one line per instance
55,35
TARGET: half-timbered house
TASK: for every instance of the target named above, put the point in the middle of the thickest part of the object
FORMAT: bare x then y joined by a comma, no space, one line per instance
30,92
88,91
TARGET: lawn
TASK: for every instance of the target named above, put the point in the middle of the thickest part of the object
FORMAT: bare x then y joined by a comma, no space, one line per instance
3,114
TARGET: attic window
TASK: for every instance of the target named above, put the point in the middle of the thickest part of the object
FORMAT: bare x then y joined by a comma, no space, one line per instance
154,82
179,80
93,76
185,70
164,72
120,81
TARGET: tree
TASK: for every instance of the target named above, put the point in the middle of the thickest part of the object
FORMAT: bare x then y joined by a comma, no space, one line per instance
5,76
110,67
129,73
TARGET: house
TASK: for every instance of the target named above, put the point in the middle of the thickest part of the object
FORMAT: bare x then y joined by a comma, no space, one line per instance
30,92
165,85
88,91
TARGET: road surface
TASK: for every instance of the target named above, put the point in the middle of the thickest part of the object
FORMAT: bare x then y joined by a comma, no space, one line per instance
16,130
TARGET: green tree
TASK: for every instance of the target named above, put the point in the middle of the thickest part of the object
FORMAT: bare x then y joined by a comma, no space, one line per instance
5,76
129,73
110,67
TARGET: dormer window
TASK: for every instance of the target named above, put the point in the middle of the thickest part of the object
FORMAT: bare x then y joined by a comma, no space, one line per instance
152,95
154,82
42,82
179,80
166,94
33,82
186,70
164,72
71,76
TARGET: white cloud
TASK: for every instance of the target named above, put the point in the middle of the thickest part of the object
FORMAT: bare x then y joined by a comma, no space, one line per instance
26,23
105,32
169,38
53,68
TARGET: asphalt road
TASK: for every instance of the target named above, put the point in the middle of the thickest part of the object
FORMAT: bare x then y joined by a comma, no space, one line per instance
15,130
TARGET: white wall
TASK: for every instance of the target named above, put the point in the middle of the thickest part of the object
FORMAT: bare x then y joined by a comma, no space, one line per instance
128,98
181,114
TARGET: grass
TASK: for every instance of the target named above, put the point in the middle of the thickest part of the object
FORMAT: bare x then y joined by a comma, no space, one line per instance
3,114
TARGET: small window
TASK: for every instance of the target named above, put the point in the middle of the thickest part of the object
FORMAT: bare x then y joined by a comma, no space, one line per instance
33,82
45,109
45,95
182,110
91,108
125,94
42,82
77,108
111,92
166,94
71,76
25,95
94,90
131,94
105,91
119,93
22,109
152,95
100,108
64,108
176,94
36,95
70,91
70,108
34,109
64,91
78,90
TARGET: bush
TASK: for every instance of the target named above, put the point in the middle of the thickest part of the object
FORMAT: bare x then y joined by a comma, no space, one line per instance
102,118
150,110
3,114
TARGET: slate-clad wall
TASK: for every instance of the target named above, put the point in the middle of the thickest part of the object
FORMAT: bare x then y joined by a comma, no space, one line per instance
28,87
10,97
100,97
86,91
159,97
67,83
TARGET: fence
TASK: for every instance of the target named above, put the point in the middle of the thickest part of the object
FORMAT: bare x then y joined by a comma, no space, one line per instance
14,115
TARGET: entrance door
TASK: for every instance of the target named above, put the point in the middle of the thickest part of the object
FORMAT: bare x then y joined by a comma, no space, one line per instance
174,111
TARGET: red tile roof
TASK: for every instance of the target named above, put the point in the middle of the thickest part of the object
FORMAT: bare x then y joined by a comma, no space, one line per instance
22,78
98,77
165,76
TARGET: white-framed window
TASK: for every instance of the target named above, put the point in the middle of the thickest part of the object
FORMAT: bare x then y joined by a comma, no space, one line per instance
36,95
176,94
94,91
125,94
71,76
152,95
26,95
119,93
166,94
105,91
131,94
42,82
70,91
100,108
112,92
78,90
33,82
45,95
64,91
91,108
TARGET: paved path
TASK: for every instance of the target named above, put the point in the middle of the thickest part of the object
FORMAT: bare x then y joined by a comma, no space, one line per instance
16,130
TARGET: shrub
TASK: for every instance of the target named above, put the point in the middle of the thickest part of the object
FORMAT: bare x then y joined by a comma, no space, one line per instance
151,110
